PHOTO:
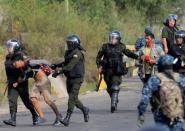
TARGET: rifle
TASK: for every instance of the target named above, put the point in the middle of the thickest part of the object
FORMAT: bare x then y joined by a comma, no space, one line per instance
99,82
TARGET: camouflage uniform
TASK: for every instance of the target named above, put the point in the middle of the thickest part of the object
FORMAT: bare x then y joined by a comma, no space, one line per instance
151,88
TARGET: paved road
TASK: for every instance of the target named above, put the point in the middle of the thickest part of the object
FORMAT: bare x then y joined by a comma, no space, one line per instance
125,119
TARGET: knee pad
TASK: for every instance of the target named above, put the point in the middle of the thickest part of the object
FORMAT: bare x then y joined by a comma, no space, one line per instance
115,88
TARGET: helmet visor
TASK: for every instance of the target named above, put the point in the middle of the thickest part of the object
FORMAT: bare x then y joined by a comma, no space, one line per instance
11,46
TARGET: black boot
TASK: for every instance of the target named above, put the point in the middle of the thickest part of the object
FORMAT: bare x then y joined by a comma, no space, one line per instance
57,121
66,120
36,120
113,92
12,120
116,107
114,101
85,111
113,107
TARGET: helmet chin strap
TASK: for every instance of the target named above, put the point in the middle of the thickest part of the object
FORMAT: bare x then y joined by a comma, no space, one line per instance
114,43
168,73
81,48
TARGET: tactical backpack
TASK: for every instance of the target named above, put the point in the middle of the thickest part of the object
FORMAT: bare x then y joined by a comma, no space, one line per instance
171,99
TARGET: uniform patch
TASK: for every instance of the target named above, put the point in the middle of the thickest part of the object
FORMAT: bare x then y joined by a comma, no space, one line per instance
25,57
75,56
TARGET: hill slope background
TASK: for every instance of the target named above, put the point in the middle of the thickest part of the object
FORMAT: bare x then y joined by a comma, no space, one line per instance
42,25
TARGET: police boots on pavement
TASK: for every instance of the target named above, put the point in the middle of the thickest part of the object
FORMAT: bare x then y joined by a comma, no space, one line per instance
109,60
74,69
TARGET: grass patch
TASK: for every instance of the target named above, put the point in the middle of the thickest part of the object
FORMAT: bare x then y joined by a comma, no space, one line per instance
88,87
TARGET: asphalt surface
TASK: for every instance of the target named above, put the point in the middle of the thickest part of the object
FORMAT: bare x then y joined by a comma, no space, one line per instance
125,119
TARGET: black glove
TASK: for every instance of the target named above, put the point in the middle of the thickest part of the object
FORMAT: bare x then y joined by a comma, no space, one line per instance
55,74
53,66
182,58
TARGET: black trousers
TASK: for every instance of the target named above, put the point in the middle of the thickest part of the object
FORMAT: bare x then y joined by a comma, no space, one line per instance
147,76
23,92
73,88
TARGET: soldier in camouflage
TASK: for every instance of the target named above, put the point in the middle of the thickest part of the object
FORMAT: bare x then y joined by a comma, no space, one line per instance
151,90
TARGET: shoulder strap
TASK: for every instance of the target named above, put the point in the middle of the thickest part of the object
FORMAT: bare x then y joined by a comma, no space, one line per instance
173,77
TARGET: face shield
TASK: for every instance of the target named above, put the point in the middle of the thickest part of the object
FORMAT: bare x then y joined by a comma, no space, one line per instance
72,42
70,45
180,37
114,38
11,46
65,47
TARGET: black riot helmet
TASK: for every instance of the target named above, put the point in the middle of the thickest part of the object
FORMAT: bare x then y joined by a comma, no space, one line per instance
73,42
13,45
114,34
180,34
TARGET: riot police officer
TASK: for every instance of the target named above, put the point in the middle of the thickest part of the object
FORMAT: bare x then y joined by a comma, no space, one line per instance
74,69
15,90
178,51
109,60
